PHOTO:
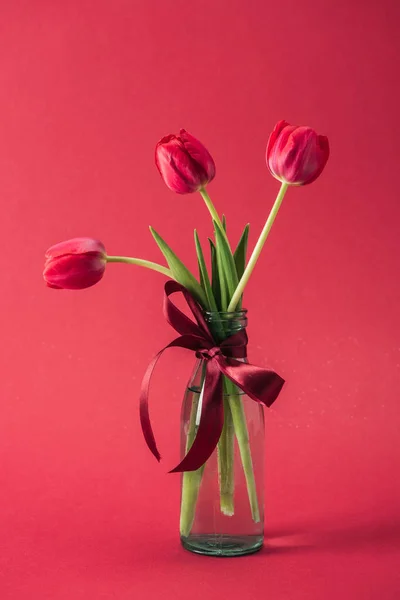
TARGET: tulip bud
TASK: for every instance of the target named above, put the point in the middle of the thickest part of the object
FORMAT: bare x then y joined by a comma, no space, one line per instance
296,155
75,264
184,163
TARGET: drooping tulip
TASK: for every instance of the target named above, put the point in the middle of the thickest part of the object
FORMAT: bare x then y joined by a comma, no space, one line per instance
184,163
75,264
296,155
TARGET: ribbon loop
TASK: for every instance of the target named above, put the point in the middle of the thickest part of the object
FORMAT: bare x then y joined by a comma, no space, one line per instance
260,384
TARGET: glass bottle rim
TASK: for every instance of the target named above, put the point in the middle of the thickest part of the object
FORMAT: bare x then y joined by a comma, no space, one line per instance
224,314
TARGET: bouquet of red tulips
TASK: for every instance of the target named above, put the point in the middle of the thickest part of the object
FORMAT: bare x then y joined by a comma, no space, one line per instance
295,156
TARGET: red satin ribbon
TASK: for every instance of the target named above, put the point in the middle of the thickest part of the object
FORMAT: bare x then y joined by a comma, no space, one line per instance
262,385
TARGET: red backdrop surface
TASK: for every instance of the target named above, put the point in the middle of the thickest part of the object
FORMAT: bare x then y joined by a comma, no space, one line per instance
86,90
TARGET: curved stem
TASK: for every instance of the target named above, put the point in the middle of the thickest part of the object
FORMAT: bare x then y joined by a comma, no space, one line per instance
211,207
214,214
258,247
141,263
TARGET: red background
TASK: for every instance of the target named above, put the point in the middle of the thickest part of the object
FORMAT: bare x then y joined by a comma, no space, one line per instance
86,90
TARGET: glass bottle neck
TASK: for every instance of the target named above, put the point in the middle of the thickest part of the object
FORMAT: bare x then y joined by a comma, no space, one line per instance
225,324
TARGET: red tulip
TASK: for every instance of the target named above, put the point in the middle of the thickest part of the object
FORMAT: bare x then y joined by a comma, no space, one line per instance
184,163
75,264
296,155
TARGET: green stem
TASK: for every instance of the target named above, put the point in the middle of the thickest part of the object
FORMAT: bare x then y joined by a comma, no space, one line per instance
242,435
226,457
190,493
211,207
213,212
141,263
258,247
191,480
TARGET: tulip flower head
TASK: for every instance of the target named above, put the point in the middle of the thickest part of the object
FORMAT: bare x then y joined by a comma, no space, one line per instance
75,264
184,163
296,155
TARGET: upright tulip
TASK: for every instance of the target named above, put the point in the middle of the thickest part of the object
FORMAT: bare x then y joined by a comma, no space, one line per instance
296,155
184,163
75,264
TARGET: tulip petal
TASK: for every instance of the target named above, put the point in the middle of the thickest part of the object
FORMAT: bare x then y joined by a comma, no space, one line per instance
176,167
74,272
77,245
183,162
198,153
278,150
322,153
300,160
296,155
274,135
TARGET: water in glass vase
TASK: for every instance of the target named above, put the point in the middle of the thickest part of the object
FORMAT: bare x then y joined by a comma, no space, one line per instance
222,503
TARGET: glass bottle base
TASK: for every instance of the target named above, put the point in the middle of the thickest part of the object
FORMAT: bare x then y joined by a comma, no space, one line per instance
222,545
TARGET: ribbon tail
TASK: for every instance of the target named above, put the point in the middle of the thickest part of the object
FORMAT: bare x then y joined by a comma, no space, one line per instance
144,408
189,342
262,385
211,422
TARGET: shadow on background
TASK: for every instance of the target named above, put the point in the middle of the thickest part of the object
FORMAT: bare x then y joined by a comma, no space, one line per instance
343,534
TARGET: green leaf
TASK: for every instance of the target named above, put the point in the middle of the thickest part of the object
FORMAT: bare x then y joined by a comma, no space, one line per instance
201,277
222,283
204,278
240,253
226,263
179,271
224,222
215,283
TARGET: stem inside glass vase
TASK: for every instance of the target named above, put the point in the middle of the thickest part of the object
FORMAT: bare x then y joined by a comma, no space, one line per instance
191,480
225,449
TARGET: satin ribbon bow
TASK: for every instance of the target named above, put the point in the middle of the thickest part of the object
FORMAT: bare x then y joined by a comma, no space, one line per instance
262,385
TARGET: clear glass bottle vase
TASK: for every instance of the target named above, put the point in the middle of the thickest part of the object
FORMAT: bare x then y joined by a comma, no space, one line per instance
222,503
